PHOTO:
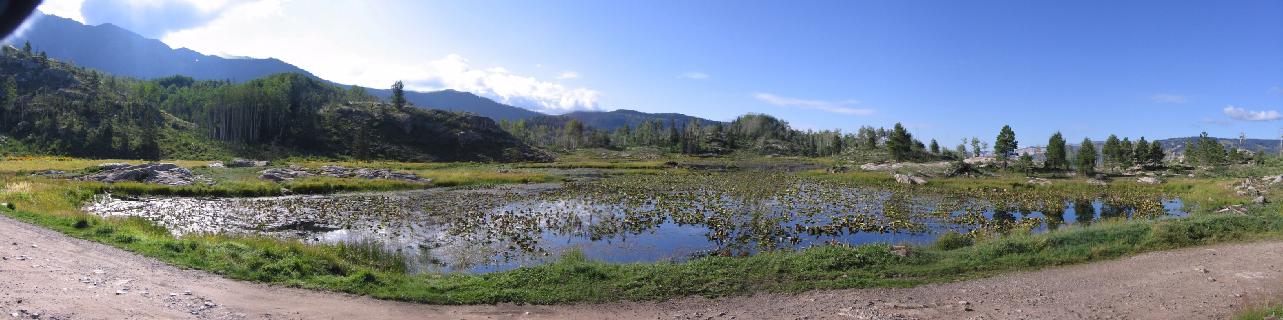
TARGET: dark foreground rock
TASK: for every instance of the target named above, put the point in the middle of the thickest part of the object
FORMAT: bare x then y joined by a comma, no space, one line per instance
158,173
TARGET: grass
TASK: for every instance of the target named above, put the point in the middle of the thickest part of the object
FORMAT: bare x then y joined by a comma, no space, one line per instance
365,270
1270,311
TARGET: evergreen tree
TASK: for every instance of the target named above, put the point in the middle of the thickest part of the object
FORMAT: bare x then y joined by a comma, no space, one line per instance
1005,144
1140,153
1125,153
900,143
1057,159
26,47
1086,160
935,147
1111,151
1156,153
398,94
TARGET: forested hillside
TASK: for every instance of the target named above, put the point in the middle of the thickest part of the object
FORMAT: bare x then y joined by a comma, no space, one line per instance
49,106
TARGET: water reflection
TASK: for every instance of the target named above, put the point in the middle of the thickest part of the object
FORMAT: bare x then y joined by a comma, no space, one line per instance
482,230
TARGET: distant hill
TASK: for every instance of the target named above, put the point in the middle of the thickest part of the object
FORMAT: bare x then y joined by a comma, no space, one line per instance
118,51
619,118
460,101
114,50
1267,145
54,107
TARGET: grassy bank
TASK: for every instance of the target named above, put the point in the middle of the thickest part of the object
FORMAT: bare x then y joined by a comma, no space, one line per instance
368,271
1270,311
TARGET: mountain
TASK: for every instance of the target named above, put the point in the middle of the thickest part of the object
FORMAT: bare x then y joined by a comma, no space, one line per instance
114,50
54,107
618,118
118,51
460,101
1177,145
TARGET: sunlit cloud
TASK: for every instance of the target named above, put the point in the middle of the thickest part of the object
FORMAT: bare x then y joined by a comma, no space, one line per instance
455,72
1241,114
840,107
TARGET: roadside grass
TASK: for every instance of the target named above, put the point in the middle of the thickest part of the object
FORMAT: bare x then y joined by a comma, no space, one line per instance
365,269
1270,311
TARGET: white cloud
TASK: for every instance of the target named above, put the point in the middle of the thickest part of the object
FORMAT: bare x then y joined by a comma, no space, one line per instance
841,107
1168,98
1237,113
694,75
69,9
455,72
568,75
298,33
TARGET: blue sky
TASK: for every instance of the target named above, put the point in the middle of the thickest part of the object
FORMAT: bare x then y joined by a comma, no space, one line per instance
946,69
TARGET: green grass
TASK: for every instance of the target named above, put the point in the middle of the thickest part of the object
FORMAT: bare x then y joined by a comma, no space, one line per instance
1272,311
363,269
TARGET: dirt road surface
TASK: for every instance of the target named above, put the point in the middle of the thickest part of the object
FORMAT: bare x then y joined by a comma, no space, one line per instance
46,275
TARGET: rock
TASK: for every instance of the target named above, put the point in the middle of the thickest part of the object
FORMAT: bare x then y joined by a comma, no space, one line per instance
286,174
216,165
1038,181
902,251
1259,199
1149,180
873,167
1096,182
158,173
245,163
47,173
907,179
112,166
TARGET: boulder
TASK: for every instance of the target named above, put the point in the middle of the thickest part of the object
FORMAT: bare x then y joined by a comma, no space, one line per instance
1149,180
909,179
1038,181
216,164
245,163
158,173
111,166
1259,199
1096,182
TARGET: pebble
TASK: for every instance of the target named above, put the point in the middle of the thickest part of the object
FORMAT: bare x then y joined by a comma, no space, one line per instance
120,292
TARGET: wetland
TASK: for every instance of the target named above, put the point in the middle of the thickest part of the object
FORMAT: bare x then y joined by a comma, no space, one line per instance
670,216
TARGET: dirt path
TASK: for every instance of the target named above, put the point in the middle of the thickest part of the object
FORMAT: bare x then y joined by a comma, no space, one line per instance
46,273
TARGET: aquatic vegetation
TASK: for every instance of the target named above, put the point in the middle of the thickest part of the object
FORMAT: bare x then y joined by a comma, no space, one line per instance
674,216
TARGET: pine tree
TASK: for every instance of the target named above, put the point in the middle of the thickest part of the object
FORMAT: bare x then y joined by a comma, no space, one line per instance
1156,153
1086,159
1125,153
1056,155
975,146
1005,144
1140,153
26,47
935,147
900,143
398,94
1110,151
